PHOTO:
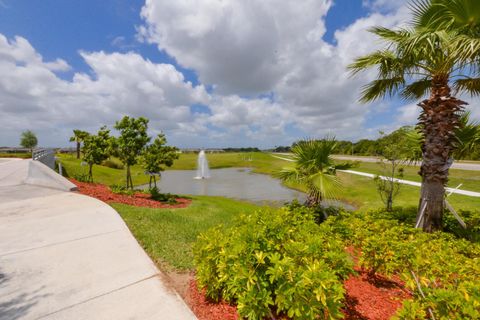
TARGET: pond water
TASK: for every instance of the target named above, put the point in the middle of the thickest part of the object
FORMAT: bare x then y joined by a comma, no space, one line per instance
236,183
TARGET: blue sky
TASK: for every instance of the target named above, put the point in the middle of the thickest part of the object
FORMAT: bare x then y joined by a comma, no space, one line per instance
206,73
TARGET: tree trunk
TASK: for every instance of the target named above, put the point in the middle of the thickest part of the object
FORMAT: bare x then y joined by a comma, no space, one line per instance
313,198
128,176
438,121
90,172
78,149
155,181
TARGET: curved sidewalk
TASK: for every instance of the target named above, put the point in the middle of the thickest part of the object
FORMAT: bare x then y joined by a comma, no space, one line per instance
68,256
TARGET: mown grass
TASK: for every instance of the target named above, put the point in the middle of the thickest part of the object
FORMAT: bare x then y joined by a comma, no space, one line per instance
22,155
470,179
167,235
358,191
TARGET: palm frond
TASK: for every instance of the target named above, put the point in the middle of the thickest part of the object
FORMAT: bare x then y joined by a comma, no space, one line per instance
417,89
466,48
468,85
389,35
327,185
378,89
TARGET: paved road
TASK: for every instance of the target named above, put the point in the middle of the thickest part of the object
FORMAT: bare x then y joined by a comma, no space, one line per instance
68,256
455,165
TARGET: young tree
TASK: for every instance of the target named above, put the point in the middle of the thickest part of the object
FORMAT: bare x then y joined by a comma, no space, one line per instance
315,169
78,136
131,142
396,149
96,149
441,50
157,156
28,140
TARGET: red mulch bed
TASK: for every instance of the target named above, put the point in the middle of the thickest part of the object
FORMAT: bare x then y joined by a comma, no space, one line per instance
205,310
372,298
139,199
367,298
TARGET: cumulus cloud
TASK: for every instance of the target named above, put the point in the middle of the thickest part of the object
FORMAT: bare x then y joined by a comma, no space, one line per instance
34,97
251,48
273,77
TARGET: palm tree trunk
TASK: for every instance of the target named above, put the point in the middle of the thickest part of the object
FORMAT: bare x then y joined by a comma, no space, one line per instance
78,149
313,198
438,120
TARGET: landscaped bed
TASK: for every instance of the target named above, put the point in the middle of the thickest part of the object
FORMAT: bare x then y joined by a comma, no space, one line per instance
366,298
138,199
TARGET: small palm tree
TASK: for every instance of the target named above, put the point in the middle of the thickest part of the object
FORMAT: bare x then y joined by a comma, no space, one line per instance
468,137
315,169
439,52
78,136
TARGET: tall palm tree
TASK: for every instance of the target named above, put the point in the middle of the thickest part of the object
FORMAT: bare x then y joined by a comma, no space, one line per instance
315,169
439,51
78,137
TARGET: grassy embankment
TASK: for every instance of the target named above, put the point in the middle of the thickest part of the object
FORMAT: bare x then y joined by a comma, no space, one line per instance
167,235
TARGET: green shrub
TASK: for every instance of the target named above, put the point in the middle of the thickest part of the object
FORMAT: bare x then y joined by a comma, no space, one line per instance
320,213
162,197
120,189
447,268
81,177
274,262
471,219
113,163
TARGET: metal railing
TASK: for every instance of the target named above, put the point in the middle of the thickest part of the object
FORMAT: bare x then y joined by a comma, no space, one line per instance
45,156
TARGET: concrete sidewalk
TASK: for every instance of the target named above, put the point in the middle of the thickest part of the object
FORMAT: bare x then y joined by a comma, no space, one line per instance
67,256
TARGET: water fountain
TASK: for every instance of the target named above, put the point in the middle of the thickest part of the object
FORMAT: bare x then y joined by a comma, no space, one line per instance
203,172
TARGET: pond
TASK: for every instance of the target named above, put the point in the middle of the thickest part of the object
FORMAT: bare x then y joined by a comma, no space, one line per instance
236,183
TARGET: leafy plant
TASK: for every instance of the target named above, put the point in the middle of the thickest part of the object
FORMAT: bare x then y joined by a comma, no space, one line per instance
131,142
441,270
162,197
314,168
113,163
274,263
81,176
157,156
96,149
28,140
119,189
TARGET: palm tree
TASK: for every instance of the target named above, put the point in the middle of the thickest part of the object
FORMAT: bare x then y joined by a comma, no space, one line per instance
78,137
439,51
468,137
315,169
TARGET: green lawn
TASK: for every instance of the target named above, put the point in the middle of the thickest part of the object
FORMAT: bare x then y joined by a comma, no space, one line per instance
167,235
358,191
23,155
470,179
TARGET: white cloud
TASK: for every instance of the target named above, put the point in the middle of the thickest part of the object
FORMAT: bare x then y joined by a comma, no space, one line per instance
252,47
274,78
34,97
241,47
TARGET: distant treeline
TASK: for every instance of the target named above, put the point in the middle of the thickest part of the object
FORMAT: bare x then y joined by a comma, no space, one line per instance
468,146
249,149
